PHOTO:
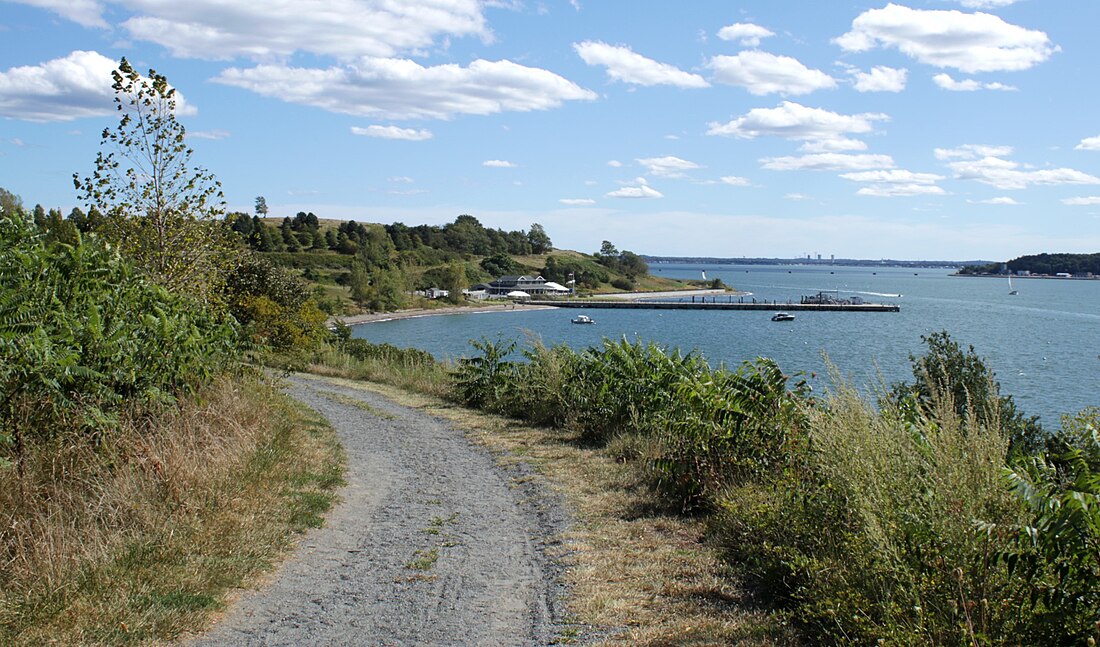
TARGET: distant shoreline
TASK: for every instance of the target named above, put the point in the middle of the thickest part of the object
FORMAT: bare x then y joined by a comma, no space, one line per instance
1031,276
506,306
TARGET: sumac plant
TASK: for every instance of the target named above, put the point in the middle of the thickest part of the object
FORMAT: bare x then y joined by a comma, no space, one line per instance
82,333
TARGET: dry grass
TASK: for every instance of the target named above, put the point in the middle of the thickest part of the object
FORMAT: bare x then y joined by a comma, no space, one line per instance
139,540
638,575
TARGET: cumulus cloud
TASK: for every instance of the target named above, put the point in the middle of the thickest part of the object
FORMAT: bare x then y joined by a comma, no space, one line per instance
393,132
404,89
63,89
896,183
625,65
88,13
762,73
880,79
1082,202
828,162
577,202
668,166
985,164
795,121
274,29
1089,144
614,163
498,164
946,82
969,42
747,34
639,189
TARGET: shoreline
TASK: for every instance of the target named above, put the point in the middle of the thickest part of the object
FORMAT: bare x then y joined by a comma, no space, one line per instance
506,306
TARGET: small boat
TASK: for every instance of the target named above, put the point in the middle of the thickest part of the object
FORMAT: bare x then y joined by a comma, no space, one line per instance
1011,290
782,316
583,319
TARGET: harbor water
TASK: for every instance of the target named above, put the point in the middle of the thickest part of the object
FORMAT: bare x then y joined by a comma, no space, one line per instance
1042,343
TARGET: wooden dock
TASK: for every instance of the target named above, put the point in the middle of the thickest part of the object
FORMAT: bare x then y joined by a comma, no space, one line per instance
717,304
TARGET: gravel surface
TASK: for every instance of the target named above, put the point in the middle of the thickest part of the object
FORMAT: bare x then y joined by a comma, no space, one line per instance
432,543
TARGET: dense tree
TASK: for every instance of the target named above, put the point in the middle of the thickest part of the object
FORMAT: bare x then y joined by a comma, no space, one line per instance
539,240
10,203
160,208
261,206
499,265
454,281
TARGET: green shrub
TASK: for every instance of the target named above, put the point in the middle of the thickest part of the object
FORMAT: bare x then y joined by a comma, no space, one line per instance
886,526
487,381
82,333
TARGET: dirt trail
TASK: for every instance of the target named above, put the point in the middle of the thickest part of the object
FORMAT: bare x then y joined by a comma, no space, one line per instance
432,543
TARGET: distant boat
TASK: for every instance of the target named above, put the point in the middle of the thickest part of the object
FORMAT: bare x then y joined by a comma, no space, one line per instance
583,319
1011,291
782,316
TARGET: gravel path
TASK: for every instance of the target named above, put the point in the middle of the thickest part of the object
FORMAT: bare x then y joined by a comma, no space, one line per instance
432,543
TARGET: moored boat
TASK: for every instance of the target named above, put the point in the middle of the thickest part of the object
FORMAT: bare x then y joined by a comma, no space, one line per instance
782,316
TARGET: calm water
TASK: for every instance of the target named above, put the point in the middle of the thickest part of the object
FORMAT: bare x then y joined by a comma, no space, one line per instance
1043,343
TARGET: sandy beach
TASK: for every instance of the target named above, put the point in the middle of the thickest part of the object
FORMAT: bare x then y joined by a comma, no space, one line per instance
504,306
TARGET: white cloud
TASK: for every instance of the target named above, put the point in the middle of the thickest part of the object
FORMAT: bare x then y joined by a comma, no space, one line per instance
972,151
762,73
669,166
640,189
896,183
795,121
63,89
881,79
624,65
393,132
798,197
836,145
1082,202
577,202
1089,144
403,89
969,42
734,180
1007,175
1003,201
401,179
208,134
828,162
498,164
614,163
274,29
747,34
946,82
986,4
88,13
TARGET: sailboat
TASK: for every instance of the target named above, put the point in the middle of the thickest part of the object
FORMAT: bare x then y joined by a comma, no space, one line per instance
1011,291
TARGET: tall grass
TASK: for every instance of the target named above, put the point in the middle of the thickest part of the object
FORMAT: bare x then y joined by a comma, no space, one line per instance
895,522
139,539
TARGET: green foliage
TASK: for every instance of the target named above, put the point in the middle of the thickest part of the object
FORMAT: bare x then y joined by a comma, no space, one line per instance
160,209
500,265
1058,550
274,307
879,529
361,350
486,381
82,333
973,389
539,240
727,427
1057,263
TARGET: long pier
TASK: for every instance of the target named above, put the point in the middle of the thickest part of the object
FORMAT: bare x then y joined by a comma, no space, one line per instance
770,306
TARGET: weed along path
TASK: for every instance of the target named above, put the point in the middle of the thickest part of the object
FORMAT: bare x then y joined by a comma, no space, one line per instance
432,543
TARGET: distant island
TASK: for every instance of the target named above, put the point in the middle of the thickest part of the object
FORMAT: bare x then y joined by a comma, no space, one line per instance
1077,266
857,262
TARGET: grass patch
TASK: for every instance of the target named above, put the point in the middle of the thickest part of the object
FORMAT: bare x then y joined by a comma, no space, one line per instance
359,404
140,540
423,560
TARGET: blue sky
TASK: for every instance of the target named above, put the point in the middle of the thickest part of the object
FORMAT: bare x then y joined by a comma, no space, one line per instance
947,129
